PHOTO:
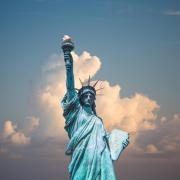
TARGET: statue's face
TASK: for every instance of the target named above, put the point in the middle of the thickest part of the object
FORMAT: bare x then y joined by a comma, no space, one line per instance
88,99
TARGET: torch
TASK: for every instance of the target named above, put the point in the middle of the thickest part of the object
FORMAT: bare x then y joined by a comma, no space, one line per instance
67,46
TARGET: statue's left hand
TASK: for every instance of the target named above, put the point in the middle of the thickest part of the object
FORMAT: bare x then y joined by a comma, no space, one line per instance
125,143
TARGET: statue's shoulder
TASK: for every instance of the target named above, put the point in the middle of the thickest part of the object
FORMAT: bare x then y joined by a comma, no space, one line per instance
98,117
70,104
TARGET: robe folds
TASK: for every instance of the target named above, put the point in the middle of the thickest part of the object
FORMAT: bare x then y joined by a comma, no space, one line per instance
88,147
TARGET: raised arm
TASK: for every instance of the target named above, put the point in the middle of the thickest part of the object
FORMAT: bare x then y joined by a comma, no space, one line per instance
67,47
69,74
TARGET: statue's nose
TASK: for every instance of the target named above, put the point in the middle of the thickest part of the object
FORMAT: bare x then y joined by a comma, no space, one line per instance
88,98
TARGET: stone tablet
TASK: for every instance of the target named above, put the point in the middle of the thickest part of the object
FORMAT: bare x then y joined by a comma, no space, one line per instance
116,139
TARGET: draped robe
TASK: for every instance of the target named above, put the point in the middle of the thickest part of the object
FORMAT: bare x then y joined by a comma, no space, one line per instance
88,147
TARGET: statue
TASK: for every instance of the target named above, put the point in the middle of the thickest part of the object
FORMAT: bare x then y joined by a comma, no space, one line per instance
91,148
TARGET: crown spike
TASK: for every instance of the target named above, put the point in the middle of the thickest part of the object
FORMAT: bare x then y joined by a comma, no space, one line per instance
95,83
81,82
89,80
99,88
101,83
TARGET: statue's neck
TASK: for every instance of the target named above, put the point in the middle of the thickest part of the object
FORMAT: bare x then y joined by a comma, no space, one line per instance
88,109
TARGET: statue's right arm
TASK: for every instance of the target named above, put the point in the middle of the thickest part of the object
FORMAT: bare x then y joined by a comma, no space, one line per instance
69,75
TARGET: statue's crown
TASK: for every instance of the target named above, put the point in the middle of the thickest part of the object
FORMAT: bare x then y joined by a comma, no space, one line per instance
88,88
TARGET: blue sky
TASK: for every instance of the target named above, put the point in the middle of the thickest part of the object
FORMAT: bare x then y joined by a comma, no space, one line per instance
138,43
136,39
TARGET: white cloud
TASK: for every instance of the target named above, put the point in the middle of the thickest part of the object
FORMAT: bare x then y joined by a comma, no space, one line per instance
31,123
53,85
8,129
169,139
12,135
151,149
128,113
172,12
18,138
163,140
137,113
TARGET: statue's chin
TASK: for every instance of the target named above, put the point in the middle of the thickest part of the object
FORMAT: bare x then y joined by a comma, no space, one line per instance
87,104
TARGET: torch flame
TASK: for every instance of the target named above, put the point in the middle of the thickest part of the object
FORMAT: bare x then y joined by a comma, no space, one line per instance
66,38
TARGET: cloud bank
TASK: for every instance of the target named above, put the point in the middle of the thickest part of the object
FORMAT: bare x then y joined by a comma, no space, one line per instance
12,135
165,139
129,113
137,113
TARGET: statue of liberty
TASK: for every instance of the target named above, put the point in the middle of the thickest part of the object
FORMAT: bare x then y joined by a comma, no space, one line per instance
91,148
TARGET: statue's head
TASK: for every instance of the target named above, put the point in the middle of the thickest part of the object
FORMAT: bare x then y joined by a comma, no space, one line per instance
87,96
